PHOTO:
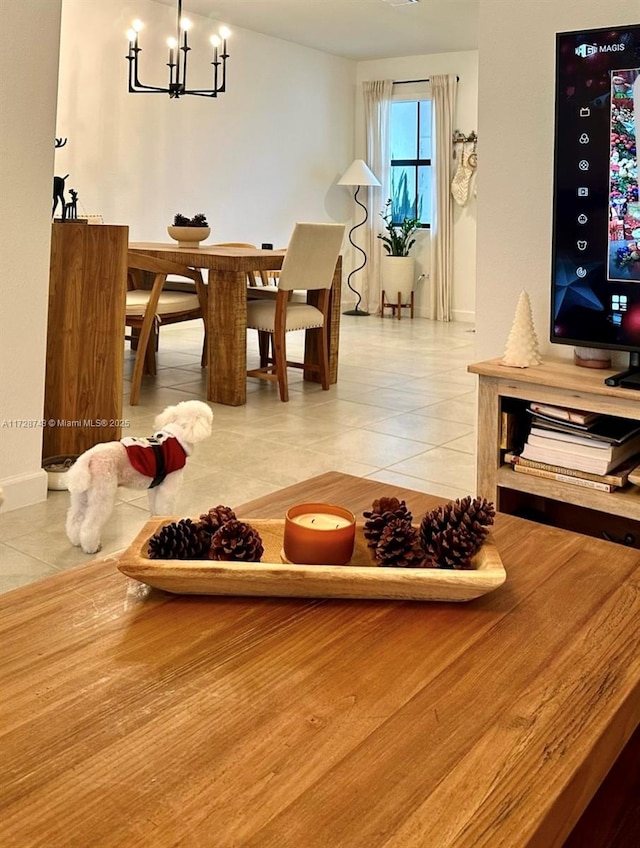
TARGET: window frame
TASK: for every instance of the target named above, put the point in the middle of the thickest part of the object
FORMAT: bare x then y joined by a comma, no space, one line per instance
414,93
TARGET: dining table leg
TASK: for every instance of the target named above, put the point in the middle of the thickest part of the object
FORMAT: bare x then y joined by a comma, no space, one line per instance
227,337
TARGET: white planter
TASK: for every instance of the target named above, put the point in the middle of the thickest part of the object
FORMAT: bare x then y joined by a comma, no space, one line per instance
189,236
398,277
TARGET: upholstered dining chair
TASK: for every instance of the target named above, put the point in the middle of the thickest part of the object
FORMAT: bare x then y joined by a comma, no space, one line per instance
148,308
308,265
266,287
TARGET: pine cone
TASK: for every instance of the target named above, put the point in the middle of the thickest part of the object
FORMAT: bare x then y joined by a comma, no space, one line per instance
179,540
236,541
214,519
399,545
381,513
452,534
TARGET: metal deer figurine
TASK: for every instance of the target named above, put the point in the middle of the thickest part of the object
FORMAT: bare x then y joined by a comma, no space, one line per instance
71,208
58,185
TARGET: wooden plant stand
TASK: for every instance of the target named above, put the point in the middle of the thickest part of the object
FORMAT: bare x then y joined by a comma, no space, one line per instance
399,305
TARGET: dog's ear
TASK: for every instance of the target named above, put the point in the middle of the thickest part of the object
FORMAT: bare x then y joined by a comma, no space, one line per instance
197,425
163,418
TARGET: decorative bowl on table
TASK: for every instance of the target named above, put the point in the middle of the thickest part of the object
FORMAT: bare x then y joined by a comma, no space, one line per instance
221,555
189,236
189,232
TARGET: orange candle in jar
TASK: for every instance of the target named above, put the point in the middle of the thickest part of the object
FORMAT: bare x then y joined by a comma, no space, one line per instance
319,534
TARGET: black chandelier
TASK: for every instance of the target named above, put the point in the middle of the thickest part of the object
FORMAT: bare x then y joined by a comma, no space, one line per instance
177,63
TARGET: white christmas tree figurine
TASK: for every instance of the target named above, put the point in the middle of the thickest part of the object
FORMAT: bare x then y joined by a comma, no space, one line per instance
522,344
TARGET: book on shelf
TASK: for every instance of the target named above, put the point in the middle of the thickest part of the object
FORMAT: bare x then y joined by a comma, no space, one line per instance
565,478
509,424
563,413
596,461
616,477
568,442
578,446
607,428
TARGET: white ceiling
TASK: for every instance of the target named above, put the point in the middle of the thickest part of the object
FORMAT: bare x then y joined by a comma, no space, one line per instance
355,29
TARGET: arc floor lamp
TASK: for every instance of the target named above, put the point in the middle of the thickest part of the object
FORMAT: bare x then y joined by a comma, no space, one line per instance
358,174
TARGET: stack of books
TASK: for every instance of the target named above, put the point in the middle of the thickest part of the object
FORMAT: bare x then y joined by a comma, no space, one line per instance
582,448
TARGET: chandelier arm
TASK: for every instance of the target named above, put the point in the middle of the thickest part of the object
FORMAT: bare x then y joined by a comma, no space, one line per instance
137,87
178,19
185,50
224,58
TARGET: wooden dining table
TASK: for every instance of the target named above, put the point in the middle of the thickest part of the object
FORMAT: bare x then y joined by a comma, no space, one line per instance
227,269
134,717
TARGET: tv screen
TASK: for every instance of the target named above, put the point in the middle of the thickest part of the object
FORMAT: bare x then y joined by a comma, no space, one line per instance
596,216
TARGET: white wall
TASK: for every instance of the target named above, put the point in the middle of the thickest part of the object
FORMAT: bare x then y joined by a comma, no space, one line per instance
465,66
27,131
516,112
256,159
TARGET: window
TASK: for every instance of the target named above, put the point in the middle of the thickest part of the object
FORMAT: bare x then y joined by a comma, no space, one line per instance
410,133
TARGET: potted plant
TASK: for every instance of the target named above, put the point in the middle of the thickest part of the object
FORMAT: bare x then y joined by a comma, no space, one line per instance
398,268
189,232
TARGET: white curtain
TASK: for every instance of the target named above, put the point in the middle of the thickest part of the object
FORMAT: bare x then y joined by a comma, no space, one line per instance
443,89
377,108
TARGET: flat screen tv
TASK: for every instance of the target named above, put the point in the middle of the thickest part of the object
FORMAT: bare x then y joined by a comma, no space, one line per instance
596,208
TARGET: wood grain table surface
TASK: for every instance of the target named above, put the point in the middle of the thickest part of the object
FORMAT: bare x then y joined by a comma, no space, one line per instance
131,717
227,312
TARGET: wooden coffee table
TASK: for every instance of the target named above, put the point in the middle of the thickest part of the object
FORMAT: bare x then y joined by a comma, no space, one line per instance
133,717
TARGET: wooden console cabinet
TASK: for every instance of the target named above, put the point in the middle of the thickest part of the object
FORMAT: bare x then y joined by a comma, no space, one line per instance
559,382
85,337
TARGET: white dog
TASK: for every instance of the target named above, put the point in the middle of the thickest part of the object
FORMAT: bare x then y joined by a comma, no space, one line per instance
156,464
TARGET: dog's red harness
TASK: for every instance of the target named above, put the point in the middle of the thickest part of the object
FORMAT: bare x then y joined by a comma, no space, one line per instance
156,456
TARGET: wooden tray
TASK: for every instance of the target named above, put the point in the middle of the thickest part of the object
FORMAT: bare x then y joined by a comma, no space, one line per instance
360,579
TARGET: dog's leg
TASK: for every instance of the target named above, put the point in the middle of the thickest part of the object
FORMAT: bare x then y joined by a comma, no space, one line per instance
100,502
75,516
162,499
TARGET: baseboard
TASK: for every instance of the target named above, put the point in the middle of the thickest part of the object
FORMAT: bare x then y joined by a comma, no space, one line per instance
24,490
464,316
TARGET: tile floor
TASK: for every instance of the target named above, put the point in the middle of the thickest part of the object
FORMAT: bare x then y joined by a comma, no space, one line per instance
403,411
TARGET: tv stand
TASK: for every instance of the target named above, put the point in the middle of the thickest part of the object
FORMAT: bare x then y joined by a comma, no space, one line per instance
505,391
629,379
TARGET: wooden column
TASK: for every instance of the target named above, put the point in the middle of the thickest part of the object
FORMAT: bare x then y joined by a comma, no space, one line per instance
85,337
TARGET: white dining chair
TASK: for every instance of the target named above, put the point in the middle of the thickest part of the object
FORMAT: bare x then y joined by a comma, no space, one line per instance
308,266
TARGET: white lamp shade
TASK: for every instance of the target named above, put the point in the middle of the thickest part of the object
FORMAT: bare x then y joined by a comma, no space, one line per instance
358,174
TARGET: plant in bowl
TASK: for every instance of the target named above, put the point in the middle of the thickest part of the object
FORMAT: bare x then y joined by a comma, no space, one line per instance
398,268
189,232
397,241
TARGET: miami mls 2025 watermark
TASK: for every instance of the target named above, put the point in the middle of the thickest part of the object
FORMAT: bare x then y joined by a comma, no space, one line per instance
41,423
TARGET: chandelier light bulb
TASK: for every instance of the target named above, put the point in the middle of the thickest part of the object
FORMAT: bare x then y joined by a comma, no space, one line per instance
215,40
225,32
185,24
131,34
137,25
171,42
